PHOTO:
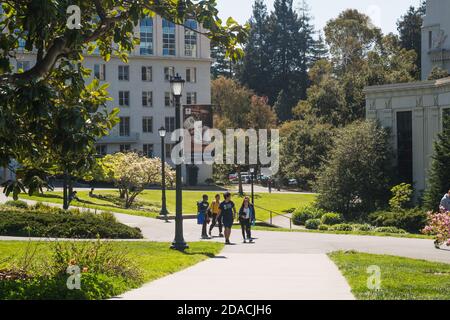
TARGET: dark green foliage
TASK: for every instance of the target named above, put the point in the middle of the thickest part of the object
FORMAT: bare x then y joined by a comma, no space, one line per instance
356,178
342,227
301,215
412,220
17,204
439,176
390,230
312,224
331,219
409,28
56,223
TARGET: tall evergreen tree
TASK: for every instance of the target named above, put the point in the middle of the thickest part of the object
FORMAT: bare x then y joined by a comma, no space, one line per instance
319,50
222,65
439,179
409,28
256,69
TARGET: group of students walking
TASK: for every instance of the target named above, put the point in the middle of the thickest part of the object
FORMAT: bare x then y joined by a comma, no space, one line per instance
223,215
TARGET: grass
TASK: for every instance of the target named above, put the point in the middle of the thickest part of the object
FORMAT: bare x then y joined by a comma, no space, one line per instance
155,260
149,202
357,233
401,278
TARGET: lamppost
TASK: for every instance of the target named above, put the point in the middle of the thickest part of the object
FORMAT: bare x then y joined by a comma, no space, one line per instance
177,86
162,133
252,174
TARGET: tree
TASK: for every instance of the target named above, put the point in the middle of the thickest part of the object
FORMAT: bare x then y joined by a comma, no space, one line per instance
439,177
132,173
409,27
356,178
319,50
223,65
256,68
304,147
30,99
237,107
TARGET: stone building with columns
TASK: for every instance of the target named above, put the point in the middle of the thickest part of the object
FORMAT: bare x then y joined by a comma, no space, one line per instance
415,111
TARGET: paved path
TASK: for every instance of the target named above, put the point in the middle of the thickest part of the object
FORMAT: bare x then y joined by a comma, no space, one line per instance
280,265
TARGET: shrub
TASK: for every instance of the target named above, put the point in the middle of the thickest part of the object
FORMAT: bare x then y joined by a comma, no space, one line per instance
390,230
17,204
312,224
301,215
439,226
106,272
401,197
342,227
362,227
331,218
413,220
324,227
57,223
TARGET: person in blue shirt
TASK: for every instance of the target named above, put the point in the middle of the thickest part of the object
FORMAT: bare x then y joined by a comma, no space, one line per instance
445,202
202,208
227,214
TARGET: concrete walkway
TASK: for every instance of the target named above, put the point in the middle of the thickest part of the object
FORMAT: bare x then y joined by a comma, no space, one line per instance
280,265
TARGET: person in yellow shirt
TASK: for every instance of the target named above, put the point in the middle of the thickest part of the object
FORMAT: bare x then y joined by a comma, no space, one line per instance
214,210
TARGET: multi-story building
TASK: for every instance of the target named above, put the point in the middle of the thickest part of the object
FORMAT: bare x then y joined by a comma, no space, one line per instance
141,87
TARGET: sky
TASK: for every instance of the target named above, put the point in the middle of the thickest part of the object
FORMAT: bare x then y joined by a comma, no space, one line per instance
384,13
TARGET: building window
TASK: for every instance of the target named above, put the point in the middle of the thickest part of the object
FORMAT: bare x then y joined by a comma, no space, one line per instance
124,73
100,71
191,75
124,98
147,99
124,127
190,38
169,148
23,65
405,146
146,35
125,148
430,39
168,99
147,124
101,149
147,150
169,73
191,98
147,74
169,43
170,124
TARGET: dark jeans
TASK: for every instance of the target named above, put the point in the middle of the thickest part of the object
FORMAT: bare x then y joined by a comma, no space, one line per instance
204,227
246,228
215,222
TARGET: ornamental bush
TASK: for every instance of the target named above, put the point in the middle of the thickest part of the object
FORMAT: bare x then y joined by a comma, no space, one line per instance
412,220
312,224
342,227
439,227
17,204
331,218
301,215
390,230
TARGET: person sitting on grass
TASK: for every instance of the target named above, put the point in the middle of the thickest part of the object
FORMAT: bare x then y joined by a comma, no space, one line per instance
445,202
227,214
202,207
246,218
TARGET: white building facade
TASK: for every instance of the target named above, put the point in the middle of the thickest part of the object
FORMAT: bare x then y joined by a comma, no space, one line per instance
415,111
141,87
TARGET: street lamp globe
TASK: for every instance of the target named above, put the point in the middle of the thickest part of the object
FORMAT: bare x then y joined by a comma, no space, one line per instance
177,85
162,132
252,170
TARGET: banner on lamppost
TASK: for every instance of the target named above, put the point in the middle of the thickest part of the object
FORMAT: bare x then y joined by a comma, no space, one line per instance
192,115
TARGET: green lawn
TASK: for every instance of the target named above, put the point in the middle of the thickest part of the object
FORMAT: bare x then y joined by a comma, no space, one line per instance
155,260
359,233
149,202
401,278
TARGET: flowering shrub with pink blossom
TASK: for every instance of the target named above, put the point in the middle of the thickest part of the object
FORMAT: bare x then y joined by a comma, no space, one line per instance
439,226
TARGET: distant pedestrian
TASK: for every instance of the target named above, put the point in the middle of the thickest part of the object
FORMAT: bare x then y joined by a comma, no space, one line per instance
270,185
214,209
227,214
445,202
246,218
202,208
